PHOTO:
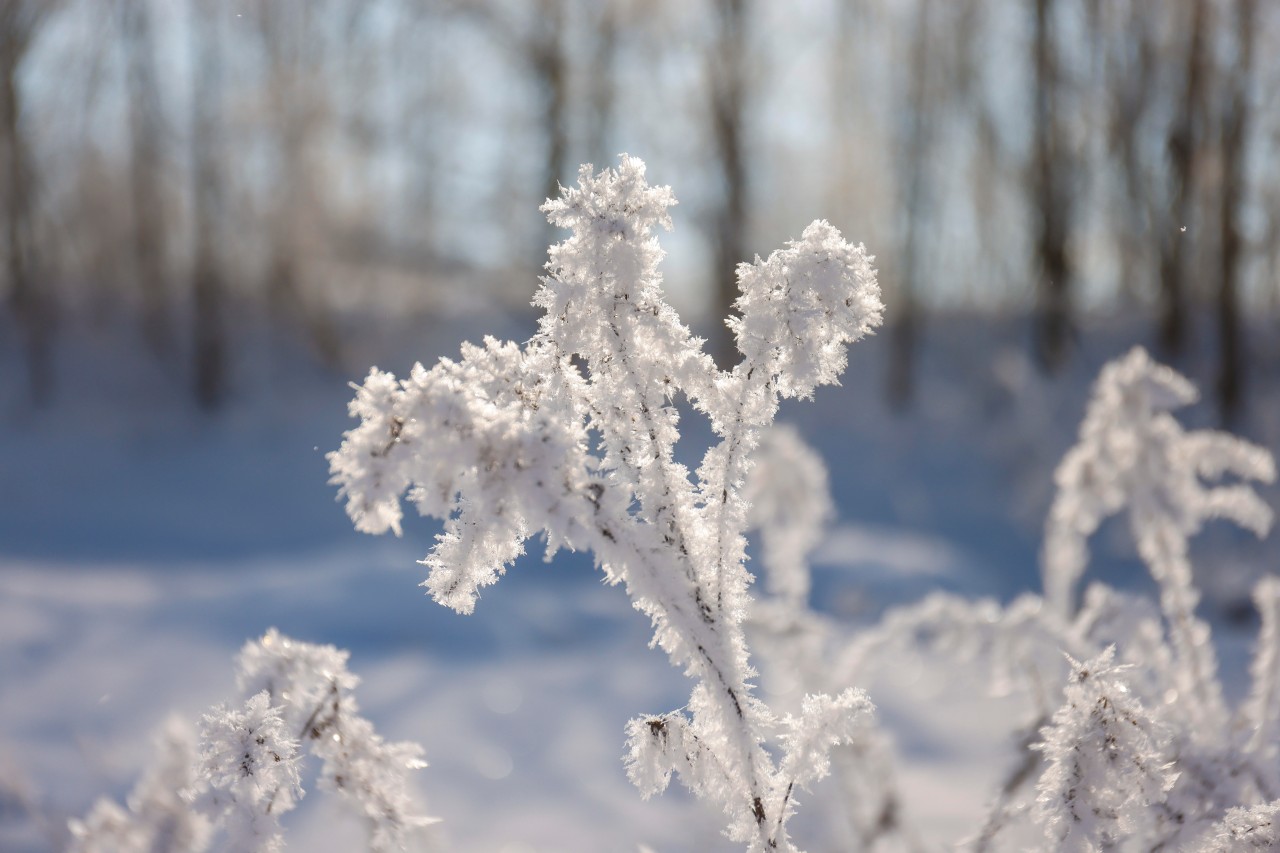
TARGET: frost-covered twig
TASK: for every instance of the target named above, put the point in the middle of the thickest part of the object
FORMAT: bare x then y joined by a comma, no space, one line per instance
1141,755
318,706
1009,638
790,504
1108,760
248,773
1245,829
244,771
1260,714
1134,456
574,433
157,818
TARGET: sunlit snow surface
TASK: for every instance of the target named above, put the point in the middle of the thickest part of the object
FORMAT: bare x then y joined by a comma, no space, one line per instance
520,707
141,545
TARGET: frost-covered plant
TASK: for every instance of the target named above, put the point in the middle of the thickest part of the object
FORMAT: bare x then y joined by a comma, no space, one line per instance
1134,456
1256,828
573,435
314,692
1128,760
1260,714
1207,772
156,817
1162,724
1108,761
790,505
243,771
1187,757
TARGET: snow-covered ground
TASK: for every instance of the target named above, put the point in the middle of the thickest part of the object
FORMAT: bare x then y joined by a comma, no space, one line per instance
141,544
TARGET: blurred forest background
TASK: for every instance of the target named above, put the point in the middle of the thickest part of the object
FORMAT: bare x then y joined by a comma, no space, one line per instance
190,169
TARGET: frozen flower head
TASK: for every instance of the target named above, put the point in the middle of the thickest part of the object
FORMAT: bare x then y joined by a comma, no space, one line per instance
802,305
616,203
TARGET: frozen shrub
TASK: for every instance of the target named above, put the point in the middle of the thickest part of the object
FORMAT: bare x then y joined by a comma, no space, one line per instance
1242,830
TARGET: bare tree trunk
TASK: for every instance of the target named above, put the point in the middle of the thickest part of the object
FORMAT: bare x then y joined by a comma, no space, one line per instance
541,45
904,327
1231,342
144,169
1130,81
208,277
1183,146
285,297
547,55
1053,198
728,83
603,86
285,27
33,306
850,18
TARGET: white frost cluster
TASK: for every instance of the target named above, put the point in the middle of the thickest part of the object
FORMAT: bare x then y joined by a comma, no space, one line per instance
1242,830
248,773
1108,761
1188,758
245,769
314,689
1129,764
573,435
1134,456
